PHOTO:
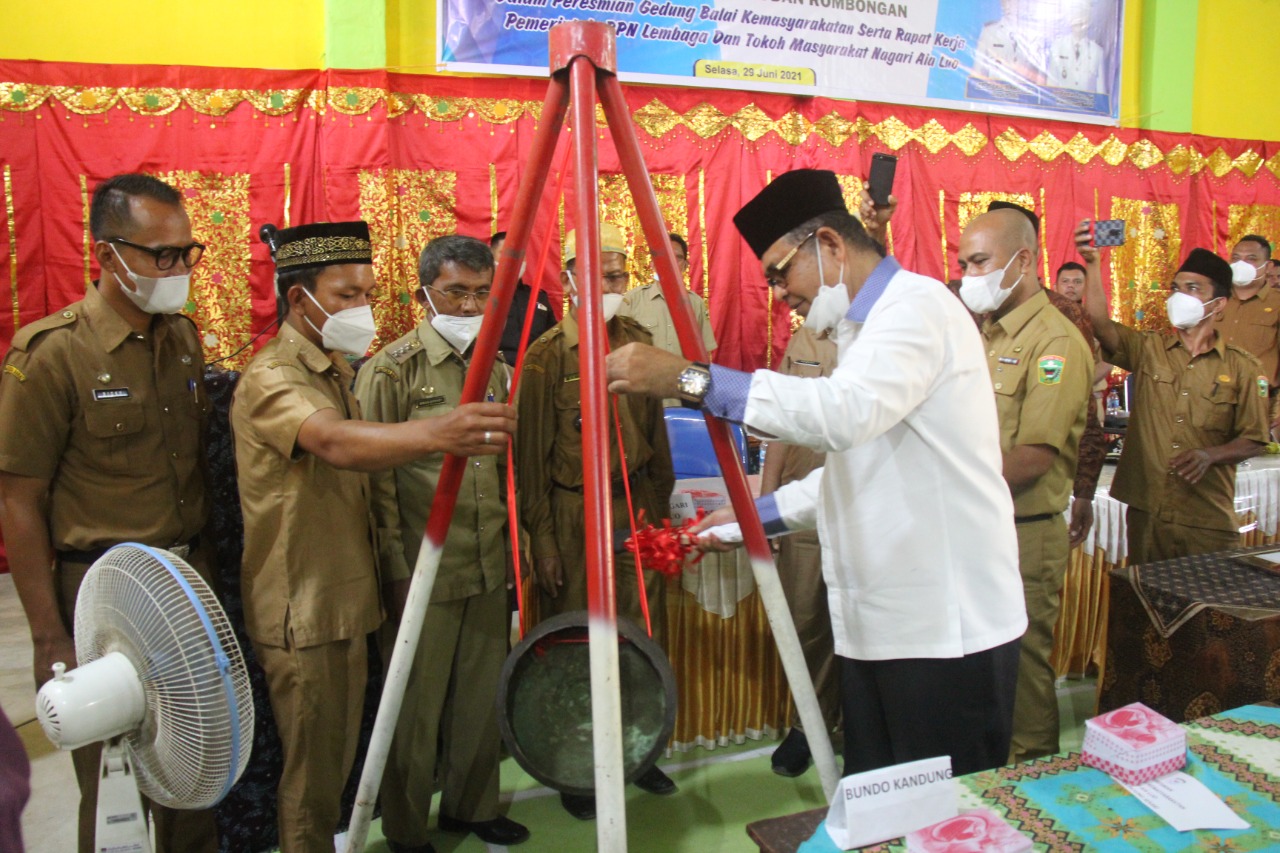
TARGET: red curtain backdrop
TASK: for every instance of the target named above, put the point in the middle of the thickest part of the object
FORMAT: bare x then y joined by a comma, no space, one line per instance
421,156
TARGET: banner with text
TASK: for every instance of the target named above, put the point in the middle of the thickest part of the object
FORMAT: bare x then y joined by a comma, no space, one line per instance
1053,58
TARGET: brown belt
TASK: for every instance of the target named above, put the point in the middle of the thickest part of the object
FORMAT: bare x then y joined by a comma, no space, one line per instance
617,487
182,551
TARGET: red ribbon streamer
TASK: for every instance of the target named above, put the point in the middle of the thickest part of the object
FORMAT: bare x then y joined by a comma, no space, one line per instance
664,549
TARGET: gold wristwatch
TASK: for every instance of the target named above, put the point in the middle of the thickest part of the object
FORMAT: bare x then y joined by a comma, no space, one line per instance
693,384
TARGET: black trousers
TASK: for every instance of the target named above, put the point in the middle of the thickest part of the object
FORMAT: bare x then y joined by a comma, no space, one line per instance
905,710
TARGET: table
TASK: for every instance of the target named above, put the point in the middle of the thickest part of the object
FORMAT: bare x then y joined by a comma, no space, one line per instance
1065,806
1192,636
1080,635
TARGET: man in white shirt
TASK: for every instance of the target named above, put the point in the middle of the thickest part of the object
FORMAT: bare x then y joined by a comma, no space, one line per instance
1007,49
1076,61
915,521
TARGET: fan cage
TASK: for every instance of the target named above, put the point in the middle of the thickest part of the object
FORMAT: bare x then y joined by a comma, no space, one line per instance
153,607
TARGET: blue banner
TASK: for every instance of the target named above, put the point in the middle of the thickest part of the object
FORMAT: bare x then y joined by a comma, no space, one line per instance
1049,58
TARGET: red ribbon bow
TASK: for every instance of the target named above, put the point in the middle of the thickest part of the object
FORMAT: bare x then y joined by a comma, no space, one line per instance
664,549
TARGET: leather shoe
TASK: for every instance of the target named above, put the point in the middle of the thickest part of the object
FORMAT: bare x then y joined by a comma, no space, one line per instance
655,781
791,758
502,831
581,806
397,847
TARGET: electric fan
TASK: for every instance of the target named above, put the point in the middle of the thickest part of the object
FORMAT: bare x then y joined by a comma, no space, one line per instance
161,680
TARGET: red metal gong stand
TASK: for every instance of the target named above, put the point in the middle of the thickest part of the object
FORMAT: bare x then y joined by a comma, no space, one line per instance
583,65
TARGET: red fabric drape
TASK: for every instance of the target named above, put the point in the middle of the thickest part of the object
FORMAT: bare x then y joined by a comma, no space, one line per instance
421,155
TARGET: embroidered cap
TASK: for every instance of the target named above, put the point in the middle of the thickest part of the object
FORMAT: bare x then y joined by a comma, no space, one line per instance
321,244
792,199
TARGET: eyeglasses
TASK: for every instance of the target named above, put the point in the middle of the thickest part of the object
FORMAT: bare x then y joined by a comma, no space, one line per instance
459,297
778,278
166,256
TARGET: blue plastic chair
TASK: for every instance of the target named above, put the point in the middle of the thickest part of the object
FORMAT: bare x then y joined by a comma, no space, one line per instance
691,452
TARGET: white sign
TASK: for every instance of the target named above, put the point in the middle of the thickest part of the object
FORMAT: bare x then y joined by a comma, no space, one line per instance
890,802
1186,803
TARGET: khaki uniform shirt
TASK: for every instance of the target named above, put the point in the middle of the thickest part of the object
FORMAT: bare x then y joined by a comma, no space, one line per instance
1184,403
309,572
648,307
1041,370
813,356
113,420
1253,325
549,434
421,376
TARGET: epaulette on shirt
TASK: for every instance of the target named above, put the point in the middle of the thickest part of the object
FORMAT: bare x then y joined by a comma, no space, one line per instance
1253,359
28,333
406,350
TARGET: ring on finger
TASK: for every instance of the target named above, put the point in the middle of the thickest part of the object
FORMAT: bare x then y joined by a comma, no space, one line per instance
486,436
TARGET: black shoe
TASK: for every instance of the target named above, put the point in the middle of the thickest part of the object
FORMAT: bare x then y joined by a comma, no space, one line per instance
655,781
581,806
502,831
791,758
397,847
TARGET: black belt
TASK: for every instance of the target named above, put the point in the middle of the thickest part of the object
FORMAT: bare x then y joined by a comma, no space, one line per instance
1029,519
183,550
618,488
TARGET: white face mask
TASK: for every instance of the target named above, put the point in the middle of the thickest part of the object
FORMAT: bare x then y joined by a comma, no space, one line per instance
459,331
828,308
1185,311
611,302
166,295
351,330
1244,273
983,293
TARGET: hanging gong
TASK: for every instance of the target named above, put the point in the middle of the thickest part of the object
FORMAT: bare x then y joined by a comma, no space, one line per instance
544,703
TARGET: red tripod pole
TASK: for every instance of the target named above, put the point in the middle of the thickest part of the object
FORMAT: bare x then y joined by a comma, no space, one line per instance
441,514
757,545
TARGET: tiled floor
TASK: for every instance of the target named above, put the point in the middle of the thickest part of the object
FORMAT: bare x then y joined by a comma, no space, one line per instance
720,791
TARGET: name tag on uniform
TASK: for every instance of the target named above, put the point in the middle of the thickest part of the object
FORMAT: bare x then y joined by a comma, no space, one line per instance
808,363
1004,359
111,393
571,377
429,401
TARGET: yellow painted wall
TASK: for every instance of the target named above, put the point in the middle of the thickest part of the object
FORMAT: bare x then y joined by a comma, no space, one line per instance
1233,92
225,33
411,36
1130,69
1236,80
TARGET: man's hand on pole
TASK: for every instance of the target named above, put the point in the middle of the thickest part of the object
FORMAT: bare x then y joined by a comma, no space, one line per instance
646,370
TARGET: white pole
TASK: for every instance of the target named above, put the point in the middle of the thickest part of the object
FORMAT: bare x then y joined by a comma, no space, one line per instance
797,671
606,735
397,679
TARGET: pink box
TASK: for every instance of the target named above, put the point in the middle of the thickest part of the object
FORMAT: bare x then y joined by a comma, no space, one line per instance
1134,744
977,831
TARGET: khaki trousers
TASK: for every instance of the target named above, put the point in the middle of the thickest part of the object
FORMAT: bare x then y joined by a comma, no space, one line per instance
176,830
1152,540
800,571
568,510
317,696
1042,557
449,720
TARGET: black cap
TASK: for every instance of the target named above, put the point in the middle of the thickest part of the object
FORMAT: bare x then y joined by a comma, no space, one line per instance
1206,263
1008,205
792,199
321,244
